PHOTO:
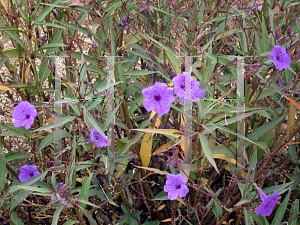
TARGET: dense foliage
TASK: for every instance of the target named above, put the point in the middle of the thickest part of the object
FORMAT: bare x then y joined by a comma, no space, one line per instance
149,112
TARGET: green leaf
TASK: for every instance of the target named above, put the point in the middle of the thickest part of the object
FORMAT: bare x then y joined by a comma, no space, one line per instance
84,192
125,148
281,210
16,155
243,201
154,170
89,216
248,218
58,123
49,25
228,33
92,122
56,214
76,27
70,222
237,134
265,38
52,45
152,223
44,13
85,202
32,188
46,141
207,151
175,62
17,133
294,213
257,133
31,181
16,38
3,60
2,171
217,210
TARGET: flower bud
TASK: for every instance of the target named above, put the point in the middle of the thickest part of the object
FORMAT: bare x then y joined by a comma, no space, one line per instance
289,31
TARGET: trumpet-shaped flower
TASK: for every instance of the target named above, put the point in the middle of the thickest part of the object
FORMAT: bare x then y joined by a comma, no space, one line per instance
158,98
280,57
28,172
179,87
24,115
176,186
268,203
97,138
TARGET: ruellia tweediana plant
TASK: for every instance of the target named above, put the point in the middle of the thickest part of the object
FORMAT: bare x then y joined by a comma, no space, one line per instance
149,112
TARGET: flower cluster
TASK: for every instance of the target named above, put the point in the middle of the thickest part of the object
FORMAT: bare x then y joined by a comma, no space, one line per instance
59,192
24,115
159,97
176,186
124,23
179,87
97,138
28,172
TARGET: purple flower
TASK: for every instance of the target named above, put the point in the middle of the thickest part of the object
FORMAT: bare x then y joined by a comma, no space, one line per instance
256,5
278,36
24,115
179,87
95,43
58,193
280,57
170,72
280,83
97,138
268,203
44,38
289,31
145,5
172,161
238,4
123,23
28,172
158,98
176,186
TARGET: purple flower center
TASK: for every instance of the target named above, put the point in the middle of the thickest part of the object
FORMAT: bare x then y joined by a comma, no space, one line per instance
28,116
182,86
157,97
31,174
178,186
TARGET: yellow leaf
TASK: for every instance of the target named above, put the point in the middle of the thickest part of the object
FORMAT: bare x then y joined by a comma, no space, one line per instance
222,156
152,114
164,147
161,207
4,5
5,88
292,101
89,171
158,121
168,220
79,179
26,73
291,120
146,149
161,131
70,85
